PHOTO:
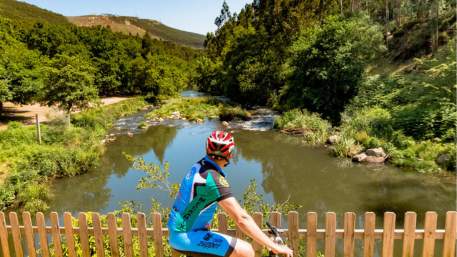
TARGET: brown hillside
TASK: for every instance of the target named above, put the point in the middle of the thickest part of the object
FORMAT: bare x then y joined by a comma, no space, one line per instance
105,21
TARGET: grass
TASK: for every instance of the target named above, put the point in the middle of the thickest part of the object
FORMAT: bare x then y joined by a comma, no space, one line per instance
199,108
314,129
65,151
371,128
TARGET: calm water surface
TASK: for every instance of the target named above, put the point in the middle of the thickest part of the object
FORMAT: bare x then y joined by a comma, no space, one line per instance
282,166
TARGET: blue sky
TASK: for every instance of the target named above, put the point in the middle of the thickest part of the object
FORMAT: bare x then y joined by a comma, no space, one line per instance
190,15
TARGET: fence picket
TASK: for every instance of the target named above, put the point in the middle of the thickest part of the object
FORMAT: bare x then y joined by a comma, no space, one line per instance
388,234
28,232
409,234
258,218
311,236
450,234
292,220
98,234
127,234
349,237
222,223
112,233
368,235
275,219
157,219
14,222
67,218
83,234
55,231
142,234
4,236
330,234
293,234
428,248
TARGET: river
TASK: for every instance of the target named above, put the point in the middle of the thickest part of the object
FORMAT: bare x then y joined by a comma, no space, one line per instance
283,167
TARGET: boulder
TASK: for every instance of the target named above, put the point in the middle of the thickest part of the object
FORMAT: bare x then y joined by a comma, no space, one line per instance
225,124
376,152
443,159
359,157
374,159
333,139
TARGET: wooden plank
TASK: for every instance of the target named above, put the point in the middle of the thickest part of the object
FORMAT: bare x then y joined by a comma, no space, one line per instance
16,234
311,236
450,234
158,244
409,234
275,219
28,232
293,225
67,220
83,234
428,248
142,234
258,218
98,234
127,234
55,231
222,223
41,224
330,235
349,238
388,235
368,236
4,236
112,233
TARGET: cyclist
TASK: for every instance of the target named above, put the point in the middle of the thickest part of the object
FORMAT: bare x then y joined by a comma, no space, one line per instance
202,189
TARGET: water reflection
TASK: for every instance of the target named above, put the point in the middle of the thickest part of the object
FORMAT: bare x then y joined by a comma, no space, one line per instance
283,166
321,183
91,191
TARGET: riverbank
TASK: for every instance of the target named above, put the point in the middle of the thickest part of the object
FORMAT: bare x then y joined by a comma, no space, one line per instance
26,113
362,132
358,132
27,166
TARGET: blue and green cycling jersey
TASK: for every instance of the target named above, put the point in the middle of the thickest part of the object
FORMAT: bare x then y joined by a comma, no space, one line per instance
202,187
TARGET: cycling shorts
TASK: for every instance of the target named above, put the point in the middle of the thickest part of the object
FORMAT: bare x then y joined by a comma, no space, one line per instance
202,243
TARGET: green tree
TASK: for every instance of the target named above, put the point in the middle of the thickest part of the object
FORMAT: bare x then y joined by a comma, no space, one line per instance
328,65
20,68
70,84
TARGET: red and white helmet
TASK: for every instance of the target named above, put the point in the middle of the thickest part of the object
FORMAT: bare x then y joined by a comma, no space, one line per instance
220,144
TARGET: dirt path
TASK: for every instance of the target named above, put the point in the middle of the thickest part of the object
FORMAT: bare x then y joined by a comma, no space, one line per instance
26,113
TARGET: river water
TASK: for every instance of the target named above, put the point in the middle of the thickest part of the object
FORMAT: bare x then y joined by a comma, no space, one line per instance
282,166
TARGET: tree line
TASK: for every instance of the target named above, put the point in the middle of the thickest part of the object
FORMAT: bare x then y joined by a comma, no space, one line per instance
314,54
72,66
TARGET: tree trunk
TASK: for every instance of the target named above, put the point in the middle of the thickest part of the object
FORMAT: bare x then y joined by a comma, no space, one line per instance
341,7
1,108
435,30
68,119
387,17
398,12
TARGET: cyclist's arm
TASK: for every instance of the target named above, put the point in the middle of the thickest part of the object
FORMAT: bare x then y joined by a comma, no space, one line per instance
246,223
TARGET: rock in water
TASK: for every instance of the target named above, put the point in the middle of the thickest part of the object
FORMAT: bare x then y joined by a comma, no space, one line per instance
359,157
376,152
443,159
333,139
374,159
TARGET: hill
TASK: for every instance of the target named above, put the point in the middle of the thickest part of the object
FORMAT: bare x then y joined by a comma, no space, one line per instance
137,26
28,13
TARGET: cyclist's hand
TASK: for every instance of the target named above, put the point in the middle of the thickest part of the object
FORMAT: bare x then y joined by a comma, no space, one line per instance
283,250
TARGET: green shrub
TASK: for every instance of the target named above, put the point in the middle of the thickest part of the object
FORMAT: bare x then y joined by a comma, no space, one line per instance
228,113
65,151
315,129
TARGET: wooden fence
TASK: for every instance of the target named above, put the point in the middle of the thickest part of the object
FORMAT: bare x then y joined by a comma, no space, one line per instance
23,236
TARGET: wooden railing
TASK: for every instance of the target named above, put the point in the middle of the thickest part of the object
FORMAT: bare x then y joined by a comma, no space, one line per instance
20,240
